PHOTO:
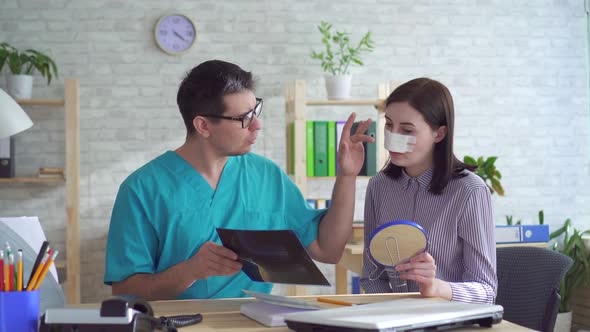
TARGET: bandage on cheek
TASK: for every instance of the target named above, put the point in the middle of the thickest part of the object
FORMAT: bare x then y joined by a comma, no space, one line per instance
399,143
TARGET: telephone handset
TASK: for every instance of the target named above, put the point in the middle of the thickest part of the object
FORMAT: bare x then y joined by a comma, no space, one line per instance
118,313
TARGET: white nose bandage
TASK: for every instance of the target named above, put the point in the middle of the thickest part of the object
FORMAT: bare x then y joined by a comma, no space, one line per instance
399,143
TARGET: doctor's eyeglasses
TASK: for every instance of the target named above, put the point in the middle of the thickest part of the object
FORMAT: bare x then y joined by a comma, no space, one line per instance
245,118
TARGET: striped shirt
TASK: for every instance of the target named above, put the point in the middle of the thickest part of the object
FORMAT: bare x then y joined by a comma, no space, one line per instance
460,228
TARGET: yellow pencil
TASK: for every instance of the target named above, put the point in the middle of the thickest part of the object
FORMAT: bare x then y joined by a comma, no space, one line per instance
33,280
19,272
45,269
326,300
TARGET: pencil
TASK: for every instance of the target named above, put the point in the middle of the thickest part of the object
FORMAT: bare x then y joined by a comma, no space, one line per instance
6,273
332,301
33,280
45,269
1,270
11,272
19,271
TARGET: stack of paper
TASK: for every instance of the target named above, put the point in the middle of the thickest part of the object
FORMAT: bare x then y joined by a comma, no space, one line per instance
268,314
270,310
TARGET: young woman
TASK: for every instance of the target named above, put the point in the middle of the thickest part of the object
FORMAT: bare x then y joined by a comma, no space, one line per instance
425,183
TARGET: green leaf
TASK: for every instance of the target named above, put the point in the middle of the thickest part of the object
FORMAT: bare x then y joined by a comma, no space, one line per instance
541,217
339,60
469,160
497,186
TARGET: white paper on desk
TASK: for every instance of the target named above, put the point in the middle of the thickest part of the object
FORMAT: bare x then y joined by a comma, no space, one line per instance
268,314
29,228
281,300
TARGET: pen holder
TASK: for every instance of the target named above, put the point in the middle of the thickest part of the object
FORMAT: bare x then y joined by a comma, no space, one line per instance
19,311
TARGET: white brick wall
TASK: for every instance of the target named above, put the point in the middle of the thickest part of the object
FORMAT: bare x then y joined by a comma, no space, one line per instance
517,71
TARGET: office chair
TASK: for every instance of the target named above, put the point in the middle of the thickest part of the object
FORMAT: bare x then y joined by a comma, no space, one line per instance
528,285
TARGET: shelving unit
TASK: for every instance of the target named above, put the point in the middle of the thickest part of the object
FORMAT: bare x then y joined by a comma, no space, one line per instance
296,104
71,106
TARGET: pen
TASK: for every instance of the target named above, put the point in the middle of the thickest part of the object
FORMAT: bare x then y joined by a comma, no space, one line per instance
40,255
338,302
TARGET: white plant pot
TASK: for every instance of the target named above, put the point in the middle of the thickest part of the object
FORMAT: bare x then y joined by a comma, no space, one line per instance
563,323
338,86
19,86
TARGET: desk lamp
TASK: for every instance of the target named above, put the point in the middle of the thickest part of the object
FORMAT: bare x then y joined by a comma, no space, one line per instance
13,118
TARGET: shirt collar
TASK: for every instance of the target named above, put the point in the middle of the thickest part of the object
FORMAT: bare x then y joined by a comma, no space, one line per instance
422,179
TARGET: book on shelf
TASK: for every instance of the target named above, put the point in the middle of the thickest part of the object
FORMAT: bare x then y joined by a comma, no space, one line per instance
50,172
332,148
339,129
319,203
7,157
320,135
521,233
309,148
371,151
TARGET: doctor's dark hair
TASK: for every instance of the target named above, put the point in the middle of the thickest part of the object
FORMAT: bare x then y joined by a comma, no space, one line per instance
434,101
203,88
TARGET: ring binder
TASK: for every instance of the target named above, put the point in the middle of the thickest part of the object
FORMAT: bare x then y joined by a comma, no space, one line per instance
7,157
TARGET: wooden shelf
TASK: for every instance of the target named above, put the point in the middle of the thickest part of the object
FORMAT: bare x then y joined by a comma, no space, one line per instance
71,180
41,102
522,244
32,180
377,103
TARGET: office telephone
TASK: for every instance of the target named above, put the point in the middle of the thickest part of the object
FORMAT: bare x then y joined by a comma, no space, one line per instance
117,314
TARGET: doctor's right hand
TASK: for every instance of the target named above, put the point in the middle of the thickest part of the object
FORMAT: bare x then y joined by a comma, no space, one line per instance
214,260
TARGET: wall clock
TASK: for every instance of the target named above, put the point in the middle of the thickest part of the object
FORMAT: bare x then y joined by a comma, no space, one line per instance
175,34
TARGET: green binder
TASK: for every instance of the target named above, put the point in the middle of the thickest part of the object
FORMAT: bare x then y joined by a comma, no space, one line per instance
331,148
363,170
309,153
371,151
320,146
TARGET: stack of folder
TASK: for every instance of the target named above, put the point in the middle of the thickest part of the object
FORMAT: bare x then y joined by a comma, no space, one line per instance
322,140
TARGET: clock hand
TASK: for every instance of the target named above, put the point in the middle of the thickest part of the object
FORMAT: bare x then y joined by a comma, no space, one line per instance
178,35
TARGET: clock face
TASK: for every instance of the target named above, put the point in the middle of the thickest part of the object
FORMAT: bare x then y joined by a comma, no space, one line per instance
175,33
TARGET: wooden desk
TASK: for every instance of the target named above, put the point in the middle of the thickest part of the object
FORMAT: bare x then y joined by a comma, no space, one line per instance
224,315
352,260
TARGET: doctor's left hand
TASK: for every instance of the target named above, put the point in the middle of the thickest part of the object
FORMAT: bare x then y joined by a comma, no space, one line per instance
351,153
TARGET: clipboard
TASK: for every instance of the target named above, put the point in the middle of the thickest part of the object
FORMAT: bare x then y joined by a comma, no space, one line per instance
275,256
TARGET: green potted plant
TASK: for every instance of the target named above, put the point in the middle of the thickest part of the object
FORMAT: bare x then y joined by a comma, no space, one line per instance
337,58
570,242
22,65
487,172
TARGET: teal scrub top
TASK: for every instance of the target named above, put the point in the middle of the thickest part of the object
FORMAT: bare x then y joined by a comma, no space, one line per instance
166,210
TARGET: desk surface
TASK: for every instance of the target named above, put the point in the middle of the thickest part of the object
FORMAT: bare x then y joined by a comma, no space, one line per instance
224,314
